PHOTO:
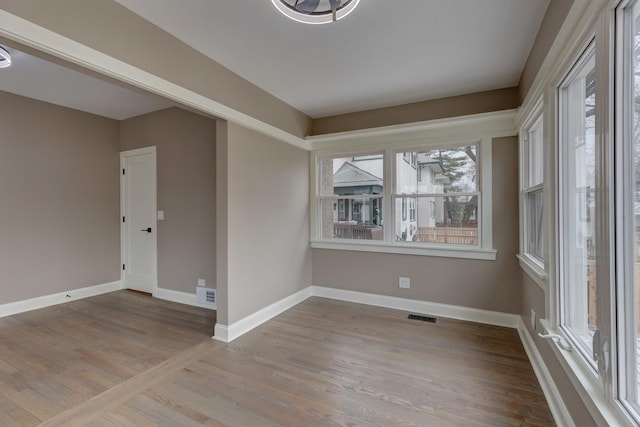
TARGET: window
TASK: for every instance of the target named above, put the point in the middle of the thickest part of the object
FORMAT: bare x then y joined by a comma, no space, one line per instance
629,197
433,205
531,146
578,278
355,184
449,181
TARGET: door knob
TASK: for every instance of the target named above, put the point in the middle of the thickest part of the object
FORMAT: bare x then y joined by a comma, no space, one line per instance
148,230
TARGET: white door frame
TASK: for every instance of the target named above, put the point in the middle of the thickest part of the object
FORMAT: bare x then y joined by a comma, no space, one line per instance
123,234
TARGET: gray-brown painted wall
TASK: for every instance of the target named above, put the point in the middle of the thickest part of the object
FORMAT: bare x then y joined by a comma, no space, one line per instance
551,24
474,103
60,203
488,285
265,245
186,173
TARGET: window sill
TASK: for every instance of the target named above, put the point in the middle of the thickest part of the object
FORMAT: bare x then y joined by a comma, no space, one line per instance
533,270
408,249
587,384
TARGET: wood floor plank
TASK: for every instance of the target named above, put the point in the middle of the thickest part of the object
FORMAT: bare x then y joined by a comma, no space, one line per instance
339,364
321,363
58,357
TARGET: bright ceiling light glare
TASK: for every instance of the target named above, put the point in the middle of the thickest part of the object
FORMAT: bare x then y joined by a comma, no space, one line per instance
5,58
315,11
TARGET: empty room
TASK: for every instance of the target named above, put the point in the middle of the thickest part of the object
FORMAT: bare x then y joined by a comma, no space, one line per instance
320,213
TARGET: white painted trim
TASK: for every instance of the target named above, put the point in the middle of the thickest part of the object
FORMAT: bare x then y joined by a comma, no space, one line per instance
484,251
587,384
486,194
463,128
558,408
58,298
228,333
532,270
124,155
423,307
579,19
139,151
29,34
407,249
181,298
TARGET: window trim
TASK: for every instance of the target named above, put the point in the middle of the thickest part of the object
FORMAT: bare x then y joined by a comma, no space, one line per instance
533,266
418,140
589,53
624,224
584,19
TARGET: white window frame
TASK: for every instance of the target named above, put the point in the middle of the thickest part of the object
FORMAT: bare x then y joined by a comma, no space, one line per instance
410,142
532,265
565,152
624,266
408,198
597,391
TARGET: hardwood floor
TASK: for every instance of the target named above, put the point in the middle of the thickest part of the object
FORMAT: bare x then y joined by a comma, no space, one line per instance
322,363
56,358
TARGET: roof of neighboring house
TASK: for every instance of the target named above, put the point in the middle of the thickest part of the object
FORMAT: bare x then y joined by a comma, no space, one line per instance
351,176
435,164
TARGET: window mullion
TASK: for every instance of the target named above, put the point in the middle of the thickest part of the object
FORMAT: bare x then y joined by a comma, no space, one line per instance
389,188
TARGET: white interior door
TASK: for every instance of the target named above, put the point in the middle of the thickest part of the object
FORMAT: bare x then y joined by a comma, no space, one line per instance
138,205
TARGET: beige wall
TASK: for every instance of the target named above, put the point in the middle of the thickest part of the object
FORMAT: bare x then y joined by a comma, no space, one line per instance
186,168
475,103
551,23
533,298
59,192
488,285
267,231
112,29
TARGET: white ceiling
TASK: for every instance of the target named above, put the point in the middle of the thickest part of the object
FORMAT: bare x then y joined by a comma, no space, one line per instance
384,53
377,56
45,81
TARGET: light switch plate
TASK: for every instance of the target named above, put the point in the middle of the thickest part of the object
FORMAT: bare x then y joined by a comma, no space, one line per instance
160,216
404,283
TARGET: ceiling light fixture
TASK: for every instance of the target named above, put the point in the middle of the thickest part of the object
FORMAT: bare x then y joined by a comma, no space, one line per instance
5,58
315,11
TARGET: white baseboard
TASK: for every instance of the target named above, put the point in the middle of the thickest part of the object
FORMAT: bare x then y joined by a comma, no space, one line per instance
181,297
559,410
422,307
229,333
58,298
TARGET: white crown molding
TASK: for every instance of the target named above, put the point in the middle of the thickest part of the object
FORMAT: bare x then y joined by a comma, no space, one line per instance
57,298
181,298
29,34
471,127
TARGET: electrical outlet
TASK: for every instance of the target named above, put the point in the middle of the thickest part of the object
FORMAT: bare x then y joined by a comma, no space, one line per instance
404,283
533,319
202,283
